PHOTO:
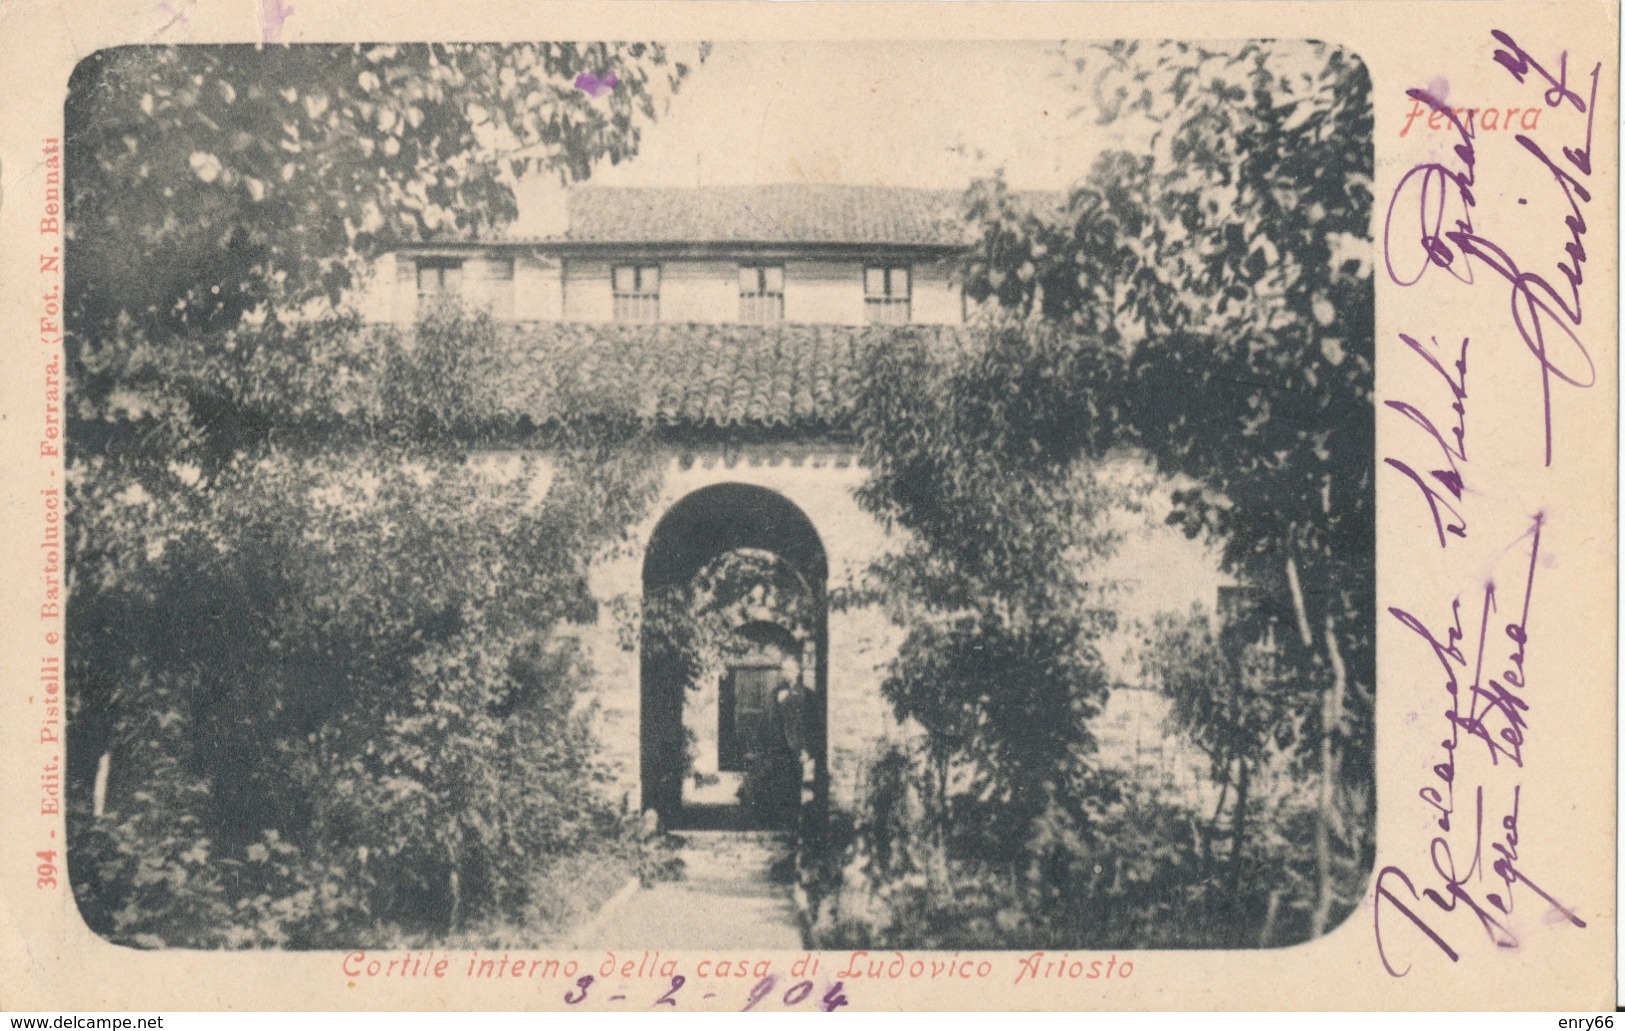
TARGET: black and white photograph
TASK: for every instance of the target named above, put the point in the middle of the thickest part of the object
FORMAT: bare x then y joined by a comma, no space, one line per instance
751,497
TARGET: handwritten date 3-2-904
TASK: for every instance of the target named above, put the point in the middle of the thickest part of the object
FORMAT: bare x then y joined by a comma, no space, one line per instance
800,994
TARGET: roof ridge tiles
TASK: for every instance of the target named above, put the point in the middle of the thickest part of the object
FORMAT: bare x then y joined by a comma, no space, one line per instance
786,213
697,375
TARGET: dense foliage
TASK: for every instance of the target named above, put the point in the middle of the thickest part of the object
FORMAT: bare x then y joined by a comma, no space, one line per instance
351,663
1206,304
241,177
322,685
975,456
344,666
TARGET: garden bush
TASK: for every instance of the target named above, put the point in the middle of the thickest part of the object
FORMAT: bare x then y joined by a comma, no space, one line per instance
330,685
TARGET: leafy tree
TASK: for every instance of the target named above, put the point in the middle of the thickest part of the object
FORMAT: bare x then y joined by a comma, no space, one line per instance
355,654
1207,303
974,455
1242,276
341,673
236,177
260,180
316,649
1229,699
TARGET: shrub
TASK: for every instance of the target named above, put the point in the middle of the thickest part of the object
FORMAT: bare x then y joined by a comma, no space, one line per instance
328,683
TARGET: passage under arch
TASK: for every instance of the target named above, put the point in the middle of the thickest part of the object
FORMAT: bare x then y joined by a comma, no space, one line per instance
697,530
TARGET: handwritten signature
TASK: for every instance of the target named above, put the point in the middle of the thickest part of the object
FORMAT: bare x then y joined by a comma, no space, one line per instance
1429,225
1496,716
1453,448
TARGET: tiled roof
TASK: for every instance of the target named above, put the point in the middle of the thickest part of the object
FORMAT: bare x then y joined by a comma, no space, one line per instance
788,214
686,376
829,214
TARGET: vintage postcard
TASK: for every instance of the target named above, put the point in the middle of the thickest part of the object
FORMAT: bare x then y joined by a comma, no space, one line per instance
809,507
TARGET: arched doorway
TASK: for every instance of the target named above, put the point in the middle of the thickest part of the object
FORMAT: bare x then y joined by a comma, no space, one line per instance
735,737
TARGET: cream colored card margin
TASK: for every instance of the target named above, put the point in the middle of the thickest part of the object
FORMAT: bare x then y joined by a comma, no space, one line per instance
50,962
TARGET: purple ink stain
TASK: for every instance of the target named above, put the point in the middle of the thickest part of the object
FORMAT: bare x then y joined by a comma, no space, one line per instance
1439,89
176,15
272,15
592,85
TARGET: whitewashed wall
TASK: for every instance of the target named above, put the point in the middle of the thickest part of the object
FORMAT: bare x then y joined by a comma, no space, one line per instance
824,292
547,289
815,292
375,295
388,293
938,301
538,288
699,291
588,296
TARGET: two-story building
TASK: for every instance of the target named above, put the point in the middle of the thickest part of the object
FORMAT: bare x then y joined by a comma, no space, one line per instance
751,255
733,319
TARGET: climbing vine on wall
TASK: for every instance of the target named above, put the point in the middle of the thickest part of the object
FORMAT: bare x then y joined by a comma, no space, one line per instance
1205,303
318,691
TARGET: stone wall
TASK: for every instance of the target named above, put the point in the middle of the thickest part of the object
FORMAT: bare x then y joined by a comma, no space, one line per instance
1132,730
818,480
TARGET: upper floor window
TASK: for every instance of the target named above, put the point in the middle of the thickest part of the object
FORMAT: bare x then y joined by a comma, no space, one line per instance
439,277
886,293
637,293
761,294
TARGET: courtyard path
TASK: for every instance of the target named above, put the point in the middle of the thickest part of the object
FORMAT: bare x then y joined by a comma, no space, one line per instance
726,898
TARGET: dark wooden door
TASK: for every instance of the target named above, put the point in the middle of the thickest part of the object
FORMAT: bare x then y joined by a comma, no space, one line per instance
748,719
